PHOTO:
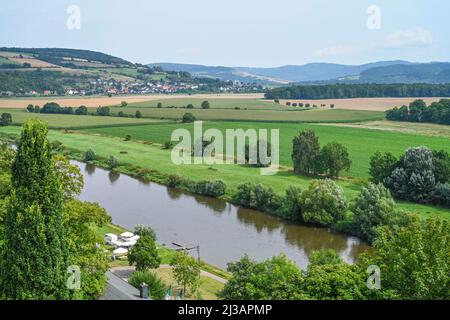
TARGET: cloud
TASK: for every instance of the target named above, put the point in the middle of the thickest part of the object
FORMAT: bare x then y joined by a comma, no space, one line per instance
335,51
415,37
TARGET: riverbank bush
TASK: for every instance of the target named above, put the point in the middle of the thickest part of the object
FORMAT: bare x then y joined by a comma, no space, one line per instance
216,188
323,203
257,196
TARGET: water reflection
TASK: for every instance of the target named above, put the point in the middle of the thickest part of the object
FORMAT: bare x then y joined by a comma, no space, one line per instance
113,176
224,232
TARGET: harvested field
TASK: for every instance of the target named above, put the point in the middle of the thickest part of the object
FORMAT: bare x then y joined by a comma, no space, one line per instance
373,104
105,101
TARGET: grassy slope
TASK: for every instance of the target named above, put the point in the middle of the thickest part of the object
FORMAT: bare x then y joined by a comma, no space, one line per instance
153,157
288,115
361,143
74,121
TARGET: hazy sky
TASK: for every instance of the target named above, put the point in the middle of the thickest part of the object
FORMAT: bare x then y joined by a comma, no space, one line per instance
235,32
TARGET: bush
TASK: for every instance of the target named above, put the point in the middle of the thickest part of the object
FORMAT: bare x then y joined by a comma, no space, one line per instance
113,162
127,137
173,181
188,117
373,208
138,114
89,155
30,108
6,119
190,106
215,188
381,166
81,111
323,203
442,194
206,105
290,207
168,145
257,196
103,111
159,105
414,178
156,287
324,256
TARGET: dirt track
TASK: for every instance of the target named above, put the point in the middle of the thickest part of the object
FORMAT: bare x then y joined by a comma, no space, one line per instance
105,101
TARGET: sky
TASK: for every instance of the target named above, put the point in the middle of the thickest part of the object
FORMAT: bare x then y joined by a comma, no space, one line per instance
251,33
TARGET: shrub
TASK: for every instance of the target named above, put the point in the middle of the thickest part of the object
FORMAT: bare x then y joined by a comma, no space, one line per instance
190,106
290,205
103,111
30,108
214,188
81,111
324,256
414,179
168,145
442,194
89,155
188,117
323,203
127,137
373,208
257,196
113,162
206,105
174,181
6,119
159,105
138,114
156,287
121,114
381,166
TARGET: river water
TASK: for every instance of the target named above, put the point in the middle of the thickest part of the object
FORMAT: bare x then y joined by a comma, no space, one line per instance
223,231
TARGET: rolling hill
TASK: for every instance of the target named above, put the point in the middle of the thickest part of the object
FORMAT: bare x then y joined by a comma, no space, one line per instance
397,71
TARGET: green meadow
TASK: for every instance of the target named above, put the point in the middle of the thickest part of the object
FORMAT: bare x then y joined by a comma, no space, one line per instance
135,154
361,143
295,115
59,121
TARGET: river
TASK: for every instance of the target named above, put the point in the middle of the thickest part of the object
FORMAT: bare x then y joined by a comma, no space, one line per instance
223,231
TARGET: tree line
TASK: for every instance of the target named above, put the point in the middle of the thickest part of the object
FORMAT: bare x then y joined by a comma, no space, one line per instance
418,111
348,91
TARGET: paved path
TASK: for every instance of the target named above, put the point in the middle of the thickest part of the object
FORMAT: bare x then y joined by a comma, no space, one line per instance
126,271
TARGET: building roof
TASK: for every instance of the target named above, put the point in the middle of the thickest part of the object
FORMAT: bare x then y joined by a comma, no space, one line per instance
118,289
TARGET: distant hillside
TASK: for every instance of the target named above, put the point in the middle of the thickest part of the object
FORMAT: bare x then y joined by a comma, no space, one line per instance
413,73
60,56
323,73
285,74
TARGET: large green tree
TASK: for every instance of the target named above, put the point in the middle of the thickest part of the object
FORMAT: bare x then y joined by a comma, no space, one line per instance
415,260
145,254
305,152
334,158
34,256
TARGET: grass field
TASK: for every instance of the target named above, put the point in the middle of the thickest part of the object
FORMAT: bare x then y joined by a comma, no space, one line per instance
74,121
153,157
250,104
427,129
294,115
361,143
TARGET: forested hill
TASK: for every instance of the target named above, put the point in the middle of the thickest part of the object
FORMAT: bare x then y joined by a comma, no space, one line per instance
62,55
343,91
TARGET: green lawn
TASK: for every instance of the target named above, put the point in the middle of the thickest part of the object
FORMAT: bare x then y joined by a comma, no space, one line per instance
283,115
361,143
153,157
74,121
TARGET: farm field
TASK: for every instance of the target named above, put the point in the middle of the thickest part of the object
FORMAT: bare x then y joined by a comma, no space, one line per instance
427,129
374,104
292,115
95,101
155,158
361,143
215,103
74,121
